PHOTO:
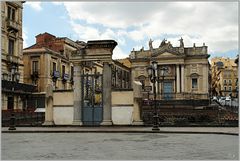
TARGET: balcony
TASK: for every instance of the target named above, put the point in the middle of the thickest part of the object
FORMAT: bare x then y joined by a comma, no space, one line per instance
65,77
13,59
14,87
12,25
56,74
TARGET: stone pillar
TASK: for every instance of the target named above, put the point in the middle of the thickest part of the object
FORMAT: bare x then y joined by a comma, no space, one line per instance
107,94
182,78
137,113
178,79
49,106
77,100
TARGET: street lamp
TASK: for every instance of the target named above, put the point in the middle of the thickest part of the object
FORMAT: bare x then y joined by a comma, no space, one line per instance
17,75
162,72
153,75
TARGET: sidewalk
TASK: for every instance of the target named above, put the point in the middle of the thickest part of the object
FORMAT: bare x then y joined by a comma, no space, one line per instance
125,129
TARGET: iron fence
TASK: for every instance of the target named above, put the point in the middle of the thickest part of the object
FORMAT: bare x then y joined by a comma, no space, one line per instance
23,118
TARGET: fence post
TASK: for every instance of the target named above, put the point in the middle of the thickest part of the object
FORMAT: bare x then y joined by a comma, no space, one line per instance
12,122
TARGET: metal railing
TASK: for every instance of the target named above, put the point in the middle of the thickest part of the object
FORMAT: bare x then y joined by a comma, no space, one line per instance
177,96
23,118
20,87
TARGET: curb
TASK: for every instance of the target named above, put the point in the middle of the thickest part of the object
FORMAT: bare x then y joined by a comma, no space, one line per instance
119,131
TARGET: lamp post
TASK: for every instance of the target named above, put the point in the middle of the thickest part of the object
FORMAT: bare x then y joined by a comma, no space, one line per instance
17,75
152,73
152,70
13,70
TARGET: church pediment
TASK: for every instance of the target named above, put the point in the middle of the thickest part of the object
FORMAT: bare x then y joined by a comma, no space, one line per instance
166,53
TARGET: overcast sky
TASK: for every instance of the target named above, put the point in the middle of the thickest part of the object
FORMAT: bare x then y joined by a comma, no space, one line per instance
132,24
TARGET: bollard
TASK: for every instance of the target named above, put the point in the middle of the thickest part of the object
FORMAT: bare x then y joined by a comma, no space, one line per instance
12,123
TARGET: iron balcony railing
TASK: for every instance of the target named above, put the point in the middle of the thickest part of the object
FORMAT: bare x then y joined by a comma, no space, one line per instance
56,74
11,86
65,77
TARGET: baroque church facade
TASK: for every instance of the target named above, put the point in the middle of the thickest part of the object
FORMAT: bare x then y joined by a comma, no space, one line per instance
187,74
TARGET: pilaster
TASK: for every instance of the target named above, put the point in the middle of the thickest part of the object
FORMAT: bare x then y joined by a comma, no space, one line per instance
178,79
107,94
182,78
77,103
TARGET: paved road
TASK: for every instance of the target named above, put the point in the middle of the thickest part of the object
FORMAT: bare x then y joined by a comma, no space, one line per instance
125,146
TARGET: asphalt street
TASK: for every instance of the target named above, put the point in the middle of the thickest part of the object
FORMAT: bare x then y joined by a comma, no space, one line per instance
125,146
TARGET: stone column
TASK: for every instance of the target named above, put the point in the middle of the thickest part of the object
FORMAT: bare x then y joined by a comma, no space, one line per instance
178,79
49,106
77,101
107,94
182,78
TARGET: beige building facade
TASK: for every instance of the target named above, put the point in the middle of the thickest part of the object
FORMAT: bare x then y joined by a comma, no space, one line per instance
224,77
47,62
12,41
187,70
14,91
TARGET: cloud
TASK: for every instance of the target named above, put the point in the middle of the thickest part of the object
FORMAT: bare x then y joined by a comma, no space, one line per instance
57,3
35,5
118,53
212,23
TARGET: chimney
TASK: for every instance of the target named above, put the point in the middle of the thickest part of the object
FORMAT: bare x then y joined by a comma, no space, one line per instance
44,38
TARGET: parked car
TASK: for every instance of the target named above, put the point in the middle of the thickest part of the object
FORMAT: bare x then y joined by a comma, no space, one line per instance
222,100
228,101
228,98
214,98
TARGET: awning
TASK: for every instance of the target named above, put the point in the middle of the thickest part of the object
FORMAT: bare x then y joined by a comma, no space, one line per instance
40,110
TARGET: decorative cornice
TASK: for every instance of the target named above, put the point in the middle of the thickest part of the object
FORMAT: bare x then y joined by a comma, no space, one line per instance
101,44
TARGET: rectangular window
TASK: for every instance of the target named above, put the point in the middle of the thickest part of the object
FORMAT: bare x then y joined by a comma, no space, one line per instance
11,13
230,88
54,66
35,66
63,70
194,83
225,81
72,72
229,81
11,47
10,103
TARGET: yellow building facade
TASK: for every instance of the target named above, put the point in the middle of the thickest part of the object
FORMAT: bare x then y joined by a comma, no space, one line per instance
224,77
47,62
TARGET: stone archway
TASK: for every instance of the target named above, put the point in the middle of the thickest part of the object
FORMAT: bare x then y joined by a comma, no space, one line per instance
102,51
